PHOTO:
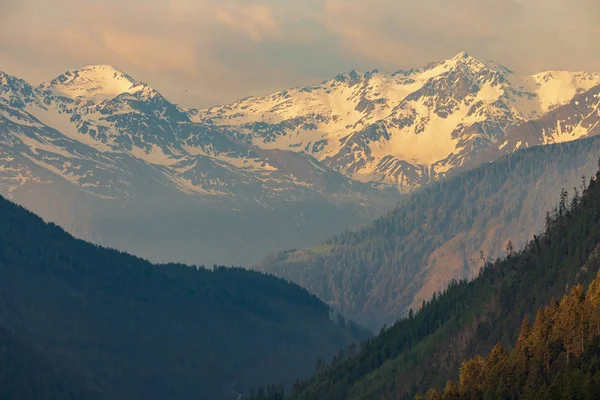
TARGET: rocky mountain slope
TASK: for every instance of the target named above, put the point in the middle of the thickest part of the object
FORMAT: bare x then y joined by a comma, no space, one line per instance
574,120
407,128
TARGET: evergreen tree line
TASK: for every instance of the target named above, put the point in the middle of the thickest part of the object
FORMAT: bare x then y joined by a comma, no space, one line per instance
556,358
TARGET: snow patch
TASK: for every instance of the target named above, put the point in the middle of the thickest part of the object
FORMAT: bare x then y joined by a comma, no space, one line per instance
154,156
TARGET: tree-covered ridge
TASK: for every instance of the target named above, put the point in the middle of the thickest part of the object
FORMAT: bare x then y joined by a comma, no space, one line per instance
375,274
470,317
556,358
156,331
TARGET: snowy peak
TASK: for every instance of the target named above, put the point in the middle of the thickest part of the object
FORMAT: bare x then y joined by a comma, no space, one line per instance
405,128
353,77
15,90
578,119
97,82
5,78
461,61
473,68
464,58
9,82
461,56
556,88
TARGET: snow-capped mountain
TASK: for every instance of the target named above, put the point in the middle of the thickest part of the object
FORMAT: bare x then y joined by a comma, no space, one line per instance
98,82
403,128
117,150
577,119
99,121
265,173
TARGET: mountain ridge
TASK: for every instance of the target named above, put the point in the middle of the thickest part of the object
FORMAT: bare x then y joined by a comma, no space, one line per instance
400,129
374,126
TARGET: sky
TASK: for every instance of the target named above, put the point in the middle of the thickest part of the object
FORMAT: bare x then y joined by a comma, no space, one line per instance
200,53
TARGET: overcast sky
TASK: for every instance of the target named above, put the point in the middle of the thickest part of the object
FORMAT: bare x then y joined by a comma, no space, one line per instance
223,50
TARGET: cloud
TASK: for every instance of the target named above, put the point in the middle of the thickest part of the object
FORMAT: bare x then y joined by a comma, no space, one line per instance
7,7
255,21
172,43
151,52
201,52
528,34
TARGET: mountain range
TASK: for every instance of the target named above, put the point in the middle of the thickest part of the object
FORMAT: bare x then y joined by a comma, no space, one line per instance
411,127
111,159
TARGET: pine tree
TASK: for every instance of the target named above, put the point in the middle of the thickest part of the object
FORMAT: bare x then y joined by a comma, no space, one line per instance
540,338
451,391
568,327
433,394
592,308
520,360
562,206
510,248
495,371
471,374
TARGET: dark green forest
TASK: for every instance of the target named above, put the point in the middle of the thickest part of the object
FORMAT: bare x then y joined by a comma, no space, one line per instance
426,349
375,274
26,373
82,321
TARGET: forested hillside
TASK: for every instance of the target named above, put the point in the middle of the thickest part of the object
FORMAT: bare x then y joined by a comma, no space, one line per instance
25,374
426,349
138,330
375,274
556,358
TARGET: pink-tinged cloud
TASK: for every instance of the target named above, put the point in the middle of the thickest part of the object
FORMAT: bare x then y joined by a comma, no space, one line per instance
150,52
255,21
528,35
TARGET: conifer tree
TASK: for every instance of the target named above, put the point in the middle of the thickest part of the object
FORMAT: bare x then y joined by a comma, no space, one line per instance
568,328
471,374
519,360
451,391
433,394
535,369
